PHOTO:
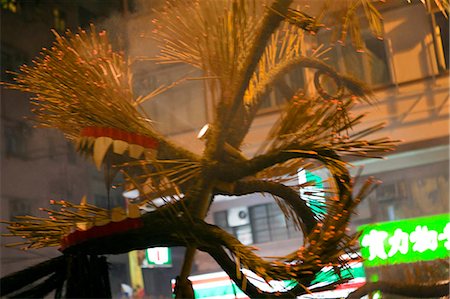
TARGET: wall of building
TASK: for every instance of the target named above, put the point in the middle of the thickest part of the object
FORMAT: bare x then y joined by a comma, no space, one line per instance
38,164
412,94
414,105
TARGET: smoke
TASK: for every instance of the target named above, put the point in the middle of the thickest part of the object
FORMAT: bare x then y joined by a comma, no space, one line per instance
181,109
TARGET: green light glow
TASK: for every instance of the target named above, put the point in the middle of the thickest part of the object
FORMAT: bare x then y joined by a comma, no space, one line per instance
158,257
406,241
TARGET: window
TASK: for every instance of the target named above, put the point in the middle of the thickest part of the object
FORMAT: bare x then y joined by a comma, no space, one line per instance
391,212
295,80
277,223
242,231
220,219
11,59
408,193
16,136
59,20
9,5
387,199
260,223
132,6
244,234
442,41
369,64
387,192
266,223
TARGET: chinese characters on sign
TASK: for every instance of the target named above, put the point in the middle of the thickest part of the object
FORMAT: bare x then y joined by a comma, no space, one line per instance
406,241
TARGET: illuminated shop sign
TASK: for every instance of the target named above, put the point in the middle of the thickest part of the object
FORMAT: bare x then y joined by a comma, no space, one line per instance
326,276
157,257
219,285
405,241
313,194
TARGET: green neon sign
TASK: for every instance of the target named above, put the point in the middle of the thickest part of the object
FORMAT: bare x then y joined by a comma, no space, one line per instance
328,276
406,241
313,194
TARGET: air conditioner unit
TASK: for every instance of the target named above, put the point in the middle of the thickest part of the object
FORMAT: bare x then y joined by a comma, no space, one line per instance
238,216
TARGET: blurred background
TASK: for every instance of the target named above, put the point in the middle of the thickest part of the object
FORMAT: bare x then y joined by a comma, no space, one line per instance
408,69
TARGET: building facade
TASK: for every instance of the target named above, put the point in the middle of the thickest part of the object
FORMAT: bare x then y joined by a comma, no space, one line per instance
408,71
39,164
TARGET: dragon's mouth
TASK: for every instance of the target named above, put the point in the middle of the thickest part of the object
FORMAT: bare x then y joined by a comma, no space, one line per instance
98,142
104,224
